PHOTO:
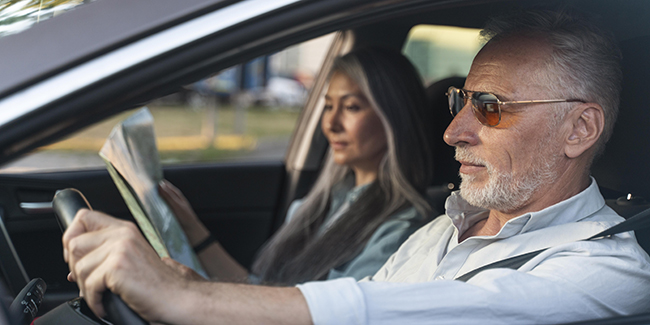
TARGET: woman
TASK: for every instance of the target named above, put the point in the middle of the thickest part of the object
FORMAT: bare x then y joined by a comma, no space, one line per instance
368,197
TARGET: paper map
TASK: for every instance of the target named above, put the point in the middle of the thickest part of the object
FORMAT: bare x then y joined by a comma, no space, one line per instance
132,160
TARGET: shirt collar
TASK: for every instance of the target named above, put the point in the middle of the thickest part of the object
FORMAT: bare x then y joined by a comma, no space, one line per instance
345,191
573,209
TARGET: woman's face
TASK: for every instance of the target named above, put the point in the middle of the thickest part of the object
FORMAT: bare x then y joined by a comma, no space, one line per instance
353,129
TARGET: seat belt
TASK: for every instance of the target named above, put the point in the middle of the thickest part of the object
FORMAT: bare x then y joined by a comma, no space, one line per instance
637,222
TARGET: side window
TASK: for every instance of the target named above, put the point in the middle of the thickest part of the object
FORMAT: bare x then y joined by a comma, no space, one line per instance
243,113
439,52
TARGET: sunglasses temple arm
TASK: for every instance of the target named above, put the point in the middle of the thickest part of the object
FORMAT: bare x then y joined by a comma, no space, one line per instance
542,101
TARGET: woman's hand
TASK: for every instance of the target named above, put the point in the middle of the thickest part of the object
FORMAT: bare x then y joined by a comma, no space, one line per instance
215,260
104,253
192,226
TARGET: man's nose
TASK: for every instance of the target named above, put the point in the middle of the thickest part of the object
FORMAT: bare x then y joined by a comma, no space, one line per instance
463,128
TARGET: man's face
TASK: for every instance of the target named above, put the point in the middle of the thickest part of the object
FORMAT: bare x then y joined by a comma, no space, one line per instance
505,167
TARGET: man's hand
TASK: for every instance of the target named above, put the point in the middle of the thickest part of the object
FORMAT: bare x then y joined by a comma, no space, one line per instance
106,253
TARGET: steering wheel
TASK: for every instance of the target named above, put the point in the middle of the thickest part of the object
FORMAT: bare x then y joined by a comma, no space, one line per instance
66,203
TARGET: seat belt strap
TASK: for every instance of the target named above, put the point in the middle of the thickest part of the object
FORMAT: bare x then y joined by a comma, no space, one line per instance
637,222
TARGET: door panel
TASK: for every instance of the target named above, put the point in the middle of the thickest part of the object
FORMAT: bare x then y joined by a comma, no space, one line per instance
237,202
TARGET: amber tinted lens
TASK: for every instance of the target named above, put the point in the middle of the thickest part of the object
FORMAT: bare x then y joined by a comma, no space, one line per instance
456,101
486,108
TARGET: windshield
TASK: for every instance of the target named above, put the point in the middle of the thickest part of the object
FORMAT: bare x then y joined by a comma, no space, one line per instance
18,15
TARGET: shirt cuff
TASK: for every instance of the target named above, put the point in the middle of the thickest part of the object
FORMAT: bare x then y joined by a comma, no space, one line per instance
339,301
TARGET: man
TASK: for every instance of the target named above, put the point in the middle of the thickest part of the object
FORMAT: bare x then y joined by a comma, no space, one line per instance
538,105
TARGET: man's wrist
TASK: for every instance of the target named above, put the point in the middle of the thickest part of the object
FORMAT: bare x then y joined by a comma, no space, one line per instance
191,304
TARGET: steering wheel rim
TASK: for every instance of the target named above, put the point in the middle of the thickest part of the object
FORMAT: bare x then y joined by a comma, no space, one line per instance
66,203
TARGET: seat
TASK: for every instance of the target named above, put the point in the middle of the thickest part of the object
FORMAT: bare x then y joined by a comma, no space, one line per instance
623,170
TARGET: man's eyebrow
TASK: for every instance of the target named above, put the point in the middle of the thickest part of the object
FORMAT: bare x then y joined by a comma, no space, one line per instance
498,96
477,91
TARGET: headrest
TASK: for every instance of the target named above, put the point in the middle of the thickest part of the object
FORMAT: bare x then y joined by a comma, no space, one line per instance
625,164
446,167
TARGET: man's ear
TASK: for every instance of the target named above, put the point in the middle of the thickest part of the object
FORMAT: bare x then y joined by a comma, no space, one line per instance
587,124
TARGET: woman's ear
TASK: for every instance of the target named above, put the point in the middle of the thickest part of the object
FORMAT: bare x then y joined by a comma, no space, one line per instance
587,124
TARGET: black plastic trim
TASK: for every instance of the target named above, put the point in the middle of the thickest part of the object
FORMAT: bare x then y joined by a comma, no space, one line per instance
12,269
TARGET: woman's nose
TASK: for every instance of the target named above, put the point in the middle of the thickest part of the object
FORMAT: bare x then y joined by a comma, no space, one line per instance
463,128
332,120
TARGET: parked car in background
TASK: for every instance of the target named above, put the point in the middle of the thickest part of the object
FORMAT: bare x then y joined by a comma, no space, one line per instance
282,93
239,165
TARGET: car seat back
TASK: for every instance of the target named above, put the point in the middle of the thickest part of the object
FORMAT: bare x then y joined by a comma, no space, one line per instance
622,171
445,176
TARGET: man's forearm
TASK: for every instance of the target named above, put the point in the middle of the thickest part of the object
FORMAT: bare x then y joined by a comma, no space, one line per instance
221,266
225,303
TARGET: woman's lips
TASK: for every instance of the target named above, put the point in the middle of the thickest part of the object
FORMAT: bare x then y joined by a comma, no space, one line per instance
469,168
338,145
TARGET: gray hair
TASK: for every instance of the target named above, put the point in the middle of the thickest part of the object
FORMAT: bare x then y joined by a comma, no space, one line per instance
395,90
585,62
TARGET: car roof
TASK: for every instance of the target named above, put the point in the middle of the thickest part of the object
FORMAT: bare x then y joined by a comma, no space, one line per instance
87,32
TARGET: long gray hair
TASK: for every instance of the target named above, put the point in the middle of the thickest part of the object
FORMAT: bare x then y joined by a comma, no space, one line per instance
394,89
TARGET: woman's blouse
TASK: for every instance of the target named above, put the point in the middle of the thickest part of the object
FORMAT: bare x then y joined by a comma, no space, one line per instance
384,241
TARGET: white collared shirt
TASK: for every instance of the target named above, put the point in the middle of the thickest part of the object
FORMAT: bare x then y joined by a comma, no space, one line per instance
573,280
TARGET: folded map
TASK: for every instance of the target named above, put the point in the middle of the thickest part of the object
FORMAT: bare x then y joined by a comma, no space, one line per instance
132,159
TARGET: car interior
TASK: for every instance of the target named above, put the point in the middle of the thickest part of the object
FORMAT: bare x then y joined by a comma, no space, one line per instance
243,203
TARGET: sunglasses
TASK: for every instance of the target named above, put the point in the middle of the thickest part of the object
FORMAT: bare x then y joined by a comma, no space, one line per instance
486,106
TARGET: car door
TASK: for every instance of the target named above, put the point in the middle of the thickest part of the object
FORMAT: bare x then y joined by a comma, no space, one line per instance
125,66
241,199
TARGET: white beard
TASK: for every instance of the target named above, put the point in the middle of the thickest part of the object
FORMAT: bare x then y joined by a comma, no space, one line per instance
505,191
